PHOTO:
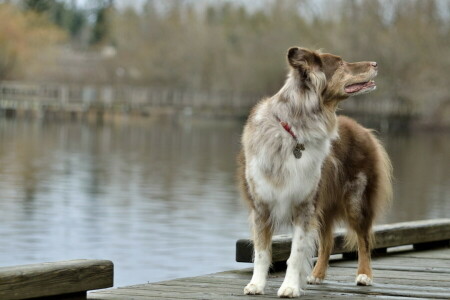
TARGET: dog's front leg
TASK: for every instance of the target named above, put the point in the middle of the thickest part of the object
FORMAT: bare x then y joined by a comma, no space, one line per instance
262,242
302,250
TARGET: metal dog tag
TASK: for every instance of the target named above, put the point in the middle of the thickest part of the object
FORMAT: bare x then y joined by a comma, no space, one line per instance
298,150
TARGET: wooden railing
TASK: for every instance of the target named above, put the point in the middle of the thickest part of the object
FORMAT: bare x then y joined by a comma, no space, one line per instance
67,97
17,94
56,280
420,234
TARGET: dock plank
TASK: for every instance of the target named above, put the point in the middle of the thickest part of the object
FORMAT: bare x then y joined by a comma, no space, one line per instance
341,286
55,279
342,279
418,233
434,254
334,271
335,274
128,294
404,264
403,275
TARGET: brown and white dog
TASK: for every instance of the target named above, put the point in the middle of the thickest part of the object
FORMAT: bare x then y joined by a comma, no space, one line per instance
302,165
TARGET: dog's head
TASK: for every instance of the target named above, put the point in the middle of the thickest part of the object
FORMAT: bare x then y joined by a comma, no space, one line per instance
331,76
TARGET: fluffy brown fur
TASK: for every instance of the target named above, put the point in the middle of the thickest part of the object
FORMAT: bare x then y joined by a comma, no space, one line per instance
352,168
357,151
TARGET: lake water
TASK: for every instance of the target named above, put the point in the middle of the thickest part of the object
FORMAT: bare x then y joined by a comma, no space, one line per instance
158,198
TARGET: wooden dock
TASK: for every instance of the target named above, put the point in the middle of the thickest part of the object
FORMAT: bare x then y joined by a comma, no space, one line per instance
56,100
412,261
405,274
63,280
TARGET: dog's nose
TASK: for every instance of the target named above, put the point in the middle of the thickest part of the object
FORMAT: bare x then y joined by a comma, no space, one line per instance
374,64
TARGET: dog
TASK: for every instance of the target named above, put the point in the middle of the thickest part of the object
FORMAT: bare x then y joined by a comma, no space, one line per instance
302,165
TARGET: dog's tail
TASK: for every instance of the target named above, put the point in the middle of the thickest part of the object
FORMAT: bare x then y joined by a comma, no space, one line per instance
383,193
351,239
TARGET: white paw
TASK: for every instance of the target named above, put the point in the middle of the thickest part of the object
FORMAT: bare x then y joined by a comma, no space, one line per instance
289,292
313,280
363,279
253,289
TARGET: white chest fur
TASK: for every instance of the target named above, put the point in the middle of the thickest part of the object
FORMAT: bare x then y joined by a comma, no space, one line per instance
289,184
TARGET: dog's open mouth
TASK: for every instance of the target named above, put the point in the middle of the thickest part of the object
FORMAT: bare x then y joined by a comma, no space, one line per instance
360,87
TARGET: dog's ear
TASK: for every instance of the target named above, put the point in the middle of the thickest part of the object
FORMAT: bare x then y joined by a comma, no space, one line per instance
303,60
297,57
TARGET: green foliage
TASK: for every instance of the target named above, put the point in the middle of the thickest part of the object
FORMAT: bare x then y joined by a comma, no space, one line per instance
227,46
66,16
38,6
101,31
230,47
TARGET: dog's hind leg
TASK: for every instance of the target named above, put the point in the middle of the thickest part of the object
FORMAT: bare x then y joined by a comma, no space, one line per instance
262,242
364,276
302,251
360,217
325,248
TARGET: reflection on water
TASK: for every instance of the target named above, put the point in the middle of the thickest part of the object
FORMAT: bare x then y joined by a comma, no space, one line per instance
158,199
422,176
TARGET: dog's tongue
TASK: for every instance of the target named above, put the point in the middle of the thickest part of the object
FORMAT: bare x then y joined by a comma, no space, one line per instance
358,86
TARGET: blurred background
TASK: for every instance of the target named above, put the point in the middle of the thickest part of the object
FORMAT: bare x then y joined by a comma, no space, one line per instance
120,120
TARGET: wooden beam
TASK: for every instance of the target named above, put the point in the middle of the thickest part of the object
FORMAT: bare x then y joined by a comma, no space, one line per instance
65,278
71,296
419,233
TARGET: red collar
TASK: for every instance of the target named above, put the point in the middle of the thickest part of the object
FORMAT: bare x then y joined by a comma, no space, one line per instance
298,147
287,127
